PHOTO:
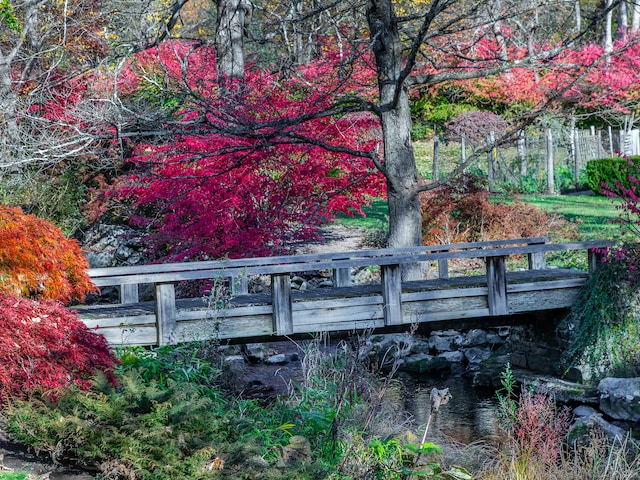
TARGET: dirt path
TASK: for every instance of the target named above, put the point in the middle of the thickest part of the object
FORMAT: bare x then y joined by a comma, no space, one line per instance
335,238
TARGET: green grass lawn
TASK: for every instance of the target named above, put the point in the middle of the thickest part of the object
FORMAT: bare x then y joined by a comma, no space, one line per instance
593,214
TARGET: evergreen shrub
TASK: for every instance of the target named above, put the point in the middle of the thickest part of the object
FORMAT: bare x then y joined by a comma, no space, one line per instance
609,171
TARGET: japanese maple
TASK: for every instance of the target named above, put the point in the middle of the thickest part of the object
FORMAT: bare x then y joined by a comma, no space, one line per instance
218,189
37,260
45,347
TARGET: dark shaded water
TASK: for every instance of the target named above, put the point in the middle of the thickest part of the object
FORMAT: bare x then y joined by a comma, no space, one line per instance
470,415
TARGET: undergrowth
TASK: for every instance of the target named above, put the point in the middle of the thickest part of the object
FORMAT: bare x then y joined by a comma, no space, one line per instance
603,329
168,418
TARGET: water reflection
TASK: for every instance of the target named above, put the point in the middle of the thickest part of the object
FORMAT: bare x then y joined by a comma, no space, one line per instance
470,415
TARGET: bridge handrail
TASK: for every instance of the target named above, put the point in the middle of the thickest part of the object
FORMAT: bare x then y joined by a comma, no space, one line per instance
309,262
390,261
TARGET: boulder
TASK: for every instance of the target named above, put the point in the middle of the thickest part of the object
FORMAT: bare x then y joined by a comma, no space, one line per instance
431,366
620,398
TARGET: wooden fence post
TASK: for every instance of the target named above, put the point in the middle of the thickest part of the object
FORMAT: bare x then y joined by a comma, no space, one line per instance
165,312
491,161
282,304
392,294
497,285
550,179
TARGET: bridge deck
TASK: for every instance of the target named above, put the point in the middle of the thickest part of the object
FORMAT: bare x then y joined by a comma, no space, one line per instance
337,308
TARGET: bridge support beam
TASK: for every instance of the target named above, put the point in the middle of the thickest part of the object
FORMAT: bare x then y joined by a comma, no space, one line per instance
282,304
392,294
165,312
497,285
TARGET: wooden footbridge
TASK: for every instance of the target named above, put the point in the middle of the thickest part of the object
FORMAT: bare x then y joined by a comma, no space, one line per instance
234,312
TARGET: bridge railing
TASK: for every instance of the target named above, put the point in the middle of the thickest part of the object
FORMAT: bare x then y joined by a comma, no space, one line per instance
280,268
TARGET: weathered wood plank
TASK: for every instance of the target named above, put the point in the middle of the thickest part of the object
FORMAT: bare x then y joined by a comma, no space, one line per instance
228,312
129,293
139,336
114,319
419,315
342,326
342,263
314,318
537,261
546,285
392,294
222,265
224,328
165,312
341,277
533,301
446,293
443,268
282,304
497,285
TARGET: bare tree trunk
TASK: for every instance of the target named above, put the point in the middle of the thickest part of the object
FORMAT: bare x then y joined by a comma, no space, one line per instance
233,16
635,16
578,16
405,219
623,19
608,37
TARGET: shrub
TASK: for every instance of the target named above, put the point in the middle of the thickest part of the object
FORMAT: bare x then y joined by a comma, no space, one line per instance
462,211
609,171
476,127
38,261
44,347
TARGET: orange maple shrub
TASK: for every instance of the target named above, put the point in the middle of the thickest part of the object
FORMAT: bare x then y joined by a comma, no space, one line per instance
38,261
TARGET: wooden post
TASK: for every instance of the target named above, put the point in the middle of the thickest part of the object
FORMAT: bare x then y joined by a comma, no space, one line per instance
522,153
392,294
436,154
165,312
463,148
594,258
491,159
341,277
282,304
497,285
129,293
550,180
443,268
239,285
537,261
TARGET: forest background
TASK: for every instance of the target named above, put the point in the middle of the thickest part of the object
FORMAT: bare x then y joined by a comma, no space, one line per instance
232,128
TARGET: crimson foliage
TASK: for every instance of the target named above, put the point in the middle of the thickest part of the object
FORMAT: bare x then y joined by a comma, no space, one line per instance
44,347
220,189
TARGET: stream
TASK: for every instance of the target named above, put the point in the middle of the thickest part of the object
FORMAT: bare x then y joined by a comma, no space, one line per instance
470,415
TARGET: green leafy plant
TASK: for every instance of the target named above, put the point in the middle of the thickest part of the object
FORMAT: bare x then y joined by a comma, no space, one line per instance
602,328
608,171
